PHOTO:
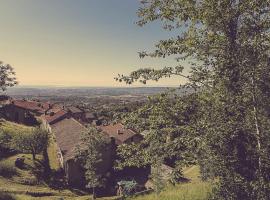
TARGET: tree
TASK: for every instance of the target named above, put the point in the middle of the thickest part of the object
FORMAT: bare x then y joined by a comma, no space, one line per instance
34,142
89,154
227,45
7,76
5,139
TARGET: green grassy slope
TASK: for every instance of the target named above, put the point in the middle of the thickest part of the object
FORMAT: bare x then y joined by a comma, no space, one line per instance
14,128
193,190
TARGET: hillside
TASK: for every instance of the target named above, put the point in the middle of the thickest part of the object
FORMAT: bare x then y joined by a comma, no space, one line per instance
13,127
28,182
195,189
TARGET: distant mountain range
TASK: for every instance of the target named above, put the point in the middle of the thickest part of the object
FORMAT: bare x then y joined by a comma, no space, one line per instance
86,91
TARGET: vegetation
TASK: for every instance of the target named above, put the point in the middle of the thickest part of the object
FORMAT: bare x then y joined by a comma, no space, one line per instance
7,196
7,170
9,131
7,76
34,142
90,155
19,186
227,45
52,154
23,139
195,189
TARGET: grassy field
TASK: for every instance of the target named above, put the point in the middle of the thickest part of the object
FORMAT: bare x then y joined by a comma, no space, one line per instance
195,189
14,128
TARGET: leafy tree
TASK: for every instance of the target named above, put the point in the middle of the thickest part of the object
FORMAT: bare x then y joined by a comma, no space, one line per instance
89,153
166,120
34,142
5,139
7,76
227,45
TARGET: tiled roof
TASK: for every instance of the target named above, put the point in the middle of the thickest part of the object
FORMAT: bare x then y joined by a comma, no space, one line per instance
36,106
52,118
68,134
118,132
74,110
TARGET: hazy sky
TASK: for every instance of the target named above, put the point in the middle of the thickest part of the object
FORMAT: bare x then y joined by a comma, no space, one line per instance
76,42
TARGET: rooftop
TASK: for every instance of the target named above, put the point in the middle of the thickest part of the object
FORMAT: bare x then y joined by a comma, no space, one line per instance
68,134
74,110
118,132
35,106
52,117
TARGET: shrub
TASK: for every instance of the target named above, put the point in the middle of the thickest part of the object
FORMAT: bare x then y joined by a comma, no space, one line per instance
30,181
7,196
7,170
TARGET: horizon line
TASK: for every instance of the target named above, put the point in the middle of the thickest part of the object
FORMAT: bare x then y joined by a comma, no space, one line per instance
85,86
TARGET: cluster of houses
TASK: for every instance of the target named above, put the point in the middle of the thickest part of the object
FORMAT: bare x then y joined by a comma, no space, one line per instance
66,124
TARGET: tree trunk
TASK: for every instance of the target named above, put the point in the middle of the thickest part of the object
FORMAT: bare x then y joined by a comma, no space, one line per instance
94,194
33,155
257,129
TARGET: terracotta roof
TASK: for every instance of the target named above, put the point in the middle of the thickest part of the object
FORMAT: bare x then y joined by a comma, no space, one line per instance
52,117
36,106
118,132
74,110
68,134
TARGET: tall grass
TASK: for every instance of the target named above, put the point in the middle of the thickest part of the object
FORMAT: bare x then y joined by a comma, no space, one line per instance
188,191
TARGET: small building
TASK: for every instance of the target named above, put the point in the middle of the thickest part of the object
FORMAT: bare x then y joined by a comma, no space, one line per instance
68,132
121,134
75,112
25,112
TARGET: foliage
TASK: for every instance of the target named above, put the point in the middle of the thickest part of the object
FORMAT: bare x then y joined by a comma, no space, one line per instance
128,187
5,139
8,131
7,169
195,189
7,76
90,155
7,196
227,45
165,120
34,142
157,179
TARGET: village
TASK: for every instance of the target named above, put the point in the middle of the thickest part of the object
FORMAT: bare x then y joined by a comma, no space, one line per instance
66,124
135,100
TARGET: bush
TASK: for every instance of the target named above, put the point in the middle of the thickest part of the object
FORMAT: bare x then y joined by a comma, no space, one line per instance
7,170
30,181
7,196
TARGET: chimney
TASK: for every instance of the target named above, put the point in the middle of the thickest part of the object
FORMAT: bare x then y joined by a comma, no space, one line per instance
119,132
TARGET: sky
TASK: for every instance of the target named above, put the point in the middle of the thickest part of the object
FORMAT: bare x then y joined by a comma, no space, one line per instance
77,42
